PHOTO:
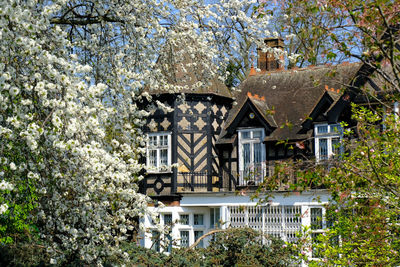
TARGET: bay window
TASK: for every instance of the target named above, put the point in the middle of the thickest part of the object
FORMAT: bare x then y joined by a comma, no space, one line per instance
251,156
159,152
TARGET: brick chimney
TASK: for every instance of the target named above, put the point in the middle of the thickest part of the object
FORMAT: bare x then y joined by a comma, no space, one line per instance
266,60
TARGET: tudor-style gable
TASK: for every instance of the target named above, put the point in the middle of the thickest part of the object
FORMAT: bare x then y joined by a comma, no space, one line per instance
253,113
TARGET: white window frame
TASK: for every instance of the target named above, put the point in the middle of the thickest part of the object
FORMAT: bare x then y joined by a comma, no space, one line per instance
181,221
251,141
201,243
158,168
330,135
317,231
202,218
188,238
215,217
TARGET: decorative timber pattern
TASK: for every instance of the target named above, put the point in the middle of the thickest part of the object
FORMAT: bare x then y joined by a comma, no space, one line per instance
279,221
195,125
192,152
193,138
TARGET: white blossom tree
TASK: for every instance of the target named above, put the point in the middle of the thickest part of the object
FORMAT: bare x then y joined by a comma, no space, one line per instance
69,72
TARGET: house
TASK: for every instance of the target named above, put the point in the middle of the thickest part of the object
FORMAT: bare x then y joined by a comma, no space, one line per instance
224,144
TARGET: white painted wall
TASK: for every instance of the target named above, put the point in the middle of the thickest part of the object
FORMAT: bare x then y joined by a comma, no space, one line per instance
201,203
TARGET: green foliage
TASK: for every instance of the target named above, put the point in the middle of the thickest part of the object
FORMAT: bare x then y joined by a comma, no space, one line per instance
244,247
18,221
364,182
363,214
23,253
233,247
233,71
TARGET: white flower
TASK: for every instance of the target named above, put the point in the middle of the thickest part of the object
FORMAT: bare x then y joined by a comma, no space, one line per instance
290,36
115,143
3,208
6,185
55,105
13,166
14,91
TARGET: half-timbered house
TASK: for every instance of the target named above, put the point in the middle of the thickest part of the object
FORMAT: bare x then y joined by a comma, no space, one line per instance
223,144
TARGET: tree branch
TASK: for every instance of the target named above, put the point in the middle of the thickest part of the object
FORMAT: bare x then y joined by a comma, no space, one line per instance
204,236
86,21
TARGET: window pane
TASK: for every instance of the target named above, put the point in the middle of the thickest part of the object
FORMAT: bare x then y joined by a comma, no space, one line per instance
169,238
185,219
316,218
245,135
197,235
184,239
336,145
167,219
198,219
155,236
258,152
316,252
322,129
163,157
217,216
256,134
153,140
163,140
153,158
336,128
214,217
246,155
323,148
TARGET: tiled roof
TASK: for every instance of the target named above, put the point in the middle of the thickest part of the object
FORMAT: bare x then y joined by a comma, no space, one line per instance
189,76
292,95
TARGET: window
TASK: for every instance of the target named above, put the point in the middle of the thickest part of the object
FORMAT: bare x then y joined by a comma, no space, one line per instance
155,237
198,219
168,219
317,228
184,219
197,235
251,156
167,244
169,240
316,218
327,140
184,239
159,152
214,217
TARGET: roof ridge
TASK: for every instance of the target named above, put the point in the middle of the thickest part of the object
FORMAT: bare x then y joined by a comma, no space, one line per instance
297,69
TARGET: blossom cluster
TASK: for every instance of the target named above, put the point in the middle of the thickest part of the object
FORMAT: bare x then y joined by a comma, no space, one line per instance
70,113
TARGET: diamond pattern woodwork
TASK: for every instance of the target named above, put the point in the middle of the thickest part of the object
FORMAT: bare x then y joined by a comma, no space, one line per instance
165,124
215,109
184,124
223,110
183,107
153,125
200,124
215,125
200,107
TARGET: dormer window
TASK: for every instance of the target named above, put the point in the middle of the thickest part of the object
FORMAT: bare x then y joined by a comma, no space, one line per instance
251,156
159,152
327,140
